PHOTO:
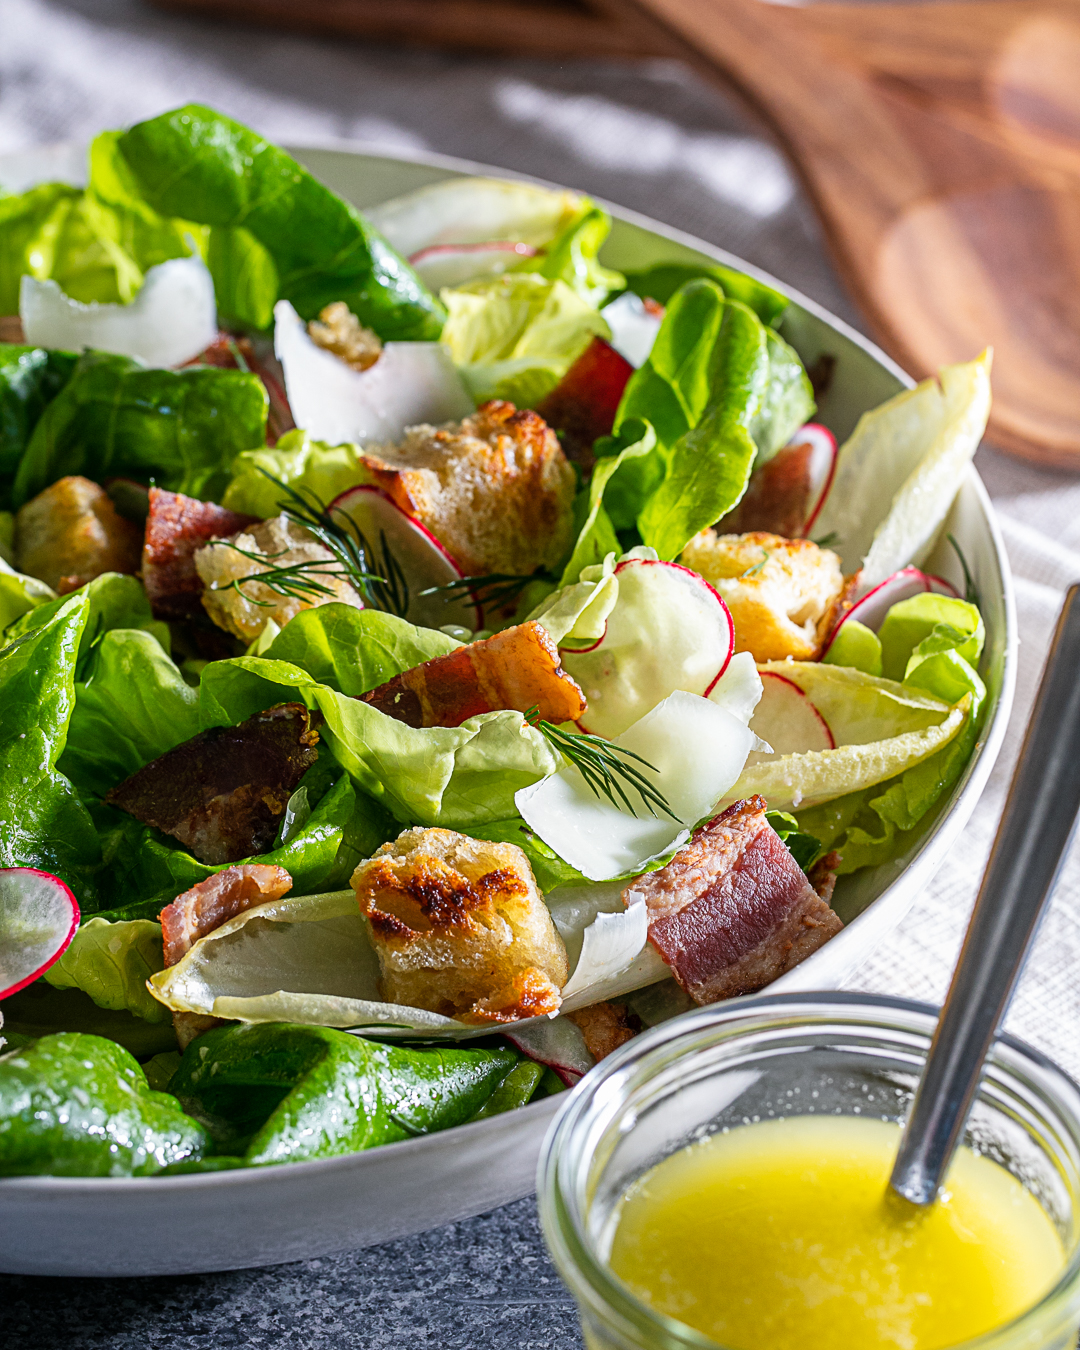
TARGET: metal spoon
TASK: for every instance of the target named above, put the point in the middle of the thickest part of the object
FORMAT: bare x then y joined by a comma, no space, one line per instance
1034,834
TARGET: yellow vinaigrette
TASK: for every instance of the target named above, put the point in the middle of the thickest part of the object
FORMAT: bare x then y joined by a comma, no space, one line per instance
783,1236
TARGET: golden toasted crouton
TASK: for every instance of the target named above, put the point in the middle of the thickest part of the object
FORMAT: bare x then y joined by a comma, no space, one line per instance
244,612
339,331
460,927
784,594
496,489
71,532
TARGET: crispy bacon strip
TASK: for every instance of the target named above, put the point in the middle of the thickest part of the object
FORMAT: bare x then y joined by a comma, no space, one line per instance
733,910
582,406
517,668
215,900
175,528
223,792
605,1027
777,498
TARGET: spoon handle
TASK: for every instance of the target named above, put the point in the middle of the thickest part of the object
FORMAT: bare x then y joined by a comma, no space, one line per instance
1031,842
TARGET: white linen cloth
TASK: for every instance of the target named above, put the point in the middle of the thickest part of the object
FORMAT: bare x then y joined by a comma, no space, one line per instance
649,136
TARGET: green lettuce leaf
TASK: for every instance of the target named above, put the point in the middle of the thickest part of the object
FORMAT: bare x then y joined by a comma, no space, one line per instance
857,646
18,595
803,847
111,963
298,461
788,401
662,280
354,650
114,600
182,428
294,1092
199,165
915,630
634,442
572,256
30,378
43,823
514,336
44,233
80,1106
245,278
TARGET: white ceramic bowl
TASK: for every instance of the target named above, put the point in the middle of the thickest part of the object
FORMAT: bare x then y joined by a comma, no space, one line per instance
227,1220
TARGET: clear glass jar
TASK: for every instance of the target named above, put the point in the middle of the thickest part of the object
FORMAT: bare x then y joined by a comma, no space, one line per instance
783,1055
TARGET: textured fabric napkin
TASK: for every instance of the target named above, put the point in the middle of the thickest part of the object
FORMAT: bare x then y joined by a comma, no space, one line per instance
644,135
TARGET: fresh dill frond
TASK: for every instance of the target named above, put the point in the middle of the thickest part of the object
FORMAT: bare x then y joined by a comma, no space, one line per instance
384,588
494,590
971,591
604,766
753,571
300,580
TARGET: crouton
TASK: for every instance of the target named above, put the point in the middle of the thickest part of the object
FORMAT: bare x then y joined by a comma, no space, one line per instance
496,490
72,532
244,611
460,927
338,331
784,594
517,668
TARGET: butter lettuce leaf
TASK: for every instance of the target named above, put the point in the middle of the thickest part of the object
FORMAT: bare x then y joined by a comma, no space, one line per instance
661,281
299,461
183,429
634,442
30,378
514,336
200,165
572,256
111,963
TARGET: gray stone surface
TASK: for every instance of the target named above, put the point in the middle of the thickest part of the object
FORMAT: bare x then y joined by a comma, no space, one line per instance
481,1285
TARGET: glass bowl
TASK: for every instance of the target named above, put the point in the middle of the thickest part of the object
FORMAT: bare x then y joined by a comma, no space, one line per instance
777,1056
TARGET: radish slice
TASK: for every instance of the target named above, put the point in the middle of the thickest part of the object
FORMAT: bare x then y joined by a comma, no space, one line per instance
669,630
787,720
419,554
38,918
454,264
633,327
171,320
411,382
696,750
822,467
738,691
559,1044
472,211
870,609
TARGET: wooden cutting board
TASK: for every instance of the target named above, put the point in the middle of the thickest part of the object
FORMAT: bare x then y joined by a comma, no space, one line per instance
940,144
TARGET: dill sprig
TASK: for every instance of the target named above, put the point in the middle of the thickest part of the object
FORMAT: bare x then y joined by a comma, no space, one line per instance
753,571
494,590
292,580
603,765
971,591
385,587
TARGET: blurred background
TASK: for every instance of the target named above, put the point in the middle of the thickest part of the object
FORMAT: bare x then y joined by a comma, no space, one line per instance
643,132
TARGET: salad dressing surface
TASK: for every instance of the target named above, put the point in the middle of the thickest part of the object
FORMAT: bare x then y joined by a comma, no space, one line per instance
783,1235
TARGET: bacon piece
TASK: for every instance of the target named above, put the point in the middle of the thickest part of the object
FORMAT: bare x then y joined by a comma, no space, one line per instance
517,668
223,792
777,498
733,910
582,406
175,528
215,900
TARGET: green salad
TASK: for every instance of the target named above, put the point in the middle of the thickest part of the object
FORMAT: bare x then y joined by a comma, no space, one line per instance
428,656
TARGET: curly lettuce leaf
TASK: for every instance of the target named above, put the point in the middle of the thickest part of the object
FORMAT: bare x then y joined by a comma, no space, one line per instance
514,336
200,165
913,631
661,281
111,962
80,1106
182,428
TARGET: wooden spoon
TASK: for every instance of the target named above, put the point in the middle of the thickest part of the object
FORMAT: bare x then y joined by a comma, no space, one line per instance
940,144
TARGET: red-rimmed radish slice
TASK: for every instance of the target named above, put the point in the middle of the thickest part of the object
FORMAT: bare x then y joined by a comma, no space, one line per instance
411,382
822,467
634,326
454,264
669,631
787,720
871,608
421,557
38,918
